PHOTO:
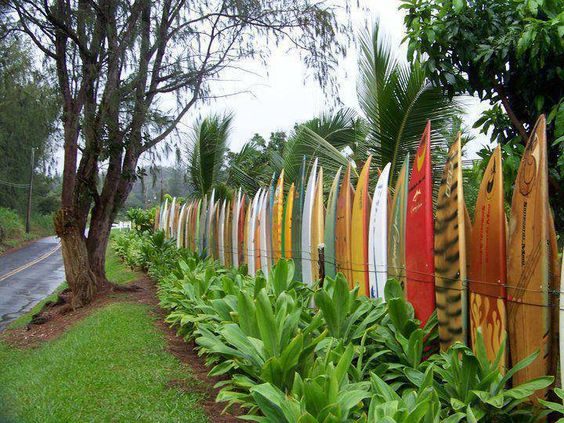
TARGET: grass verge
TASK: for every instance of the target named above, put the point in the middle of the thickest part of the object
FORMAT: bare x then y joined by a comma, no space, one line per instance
111,366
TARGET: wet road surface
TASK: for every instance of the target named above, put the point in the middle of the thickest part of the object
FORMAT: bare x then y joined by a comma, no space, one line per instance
27,276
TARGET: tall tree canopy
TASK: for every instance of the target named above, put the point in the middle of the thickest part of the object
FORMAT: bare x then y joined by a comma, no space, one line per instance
508,52
130,70
29,109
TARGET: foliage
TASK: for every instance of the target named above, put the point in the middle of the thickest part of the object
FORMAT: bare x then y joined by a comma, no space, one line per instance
142,220
11,225
28,119
349,359
507,52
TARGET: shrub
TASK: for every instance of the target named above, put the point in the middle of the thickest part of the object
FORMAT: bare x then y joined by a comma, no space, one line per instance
11,225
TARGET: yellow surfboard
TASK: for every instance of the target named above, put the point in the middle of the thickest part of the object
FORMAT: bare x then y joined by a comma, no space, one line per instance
288,210
277,218
359,231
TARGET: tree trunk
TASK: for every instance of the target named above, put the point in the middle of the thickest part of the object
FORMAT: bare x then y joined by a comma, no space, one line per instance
80,278
97,242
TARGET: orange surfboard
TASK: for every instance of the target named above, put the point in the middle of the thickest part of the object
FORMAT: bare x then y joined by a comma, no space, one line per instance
359,231
487,270
277,218
287,233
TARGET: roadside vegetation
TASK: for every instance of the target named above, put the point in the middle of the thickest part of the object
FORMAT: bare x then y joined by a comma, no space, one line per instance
348,359
12,228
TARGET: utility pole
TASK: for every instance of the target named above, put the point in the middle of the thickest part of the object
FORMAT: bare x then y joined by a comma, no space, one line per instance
28,214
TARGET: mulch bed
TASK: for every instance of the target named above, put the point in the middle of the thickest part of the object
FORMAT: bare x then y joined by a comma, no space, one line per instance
58,318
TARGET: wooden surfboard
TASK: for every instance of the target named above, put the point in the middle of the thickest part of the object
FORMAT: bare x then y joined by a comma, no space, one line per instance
277,219
554,299
561,322
528,265
330,224
157,221
227,235
450,253
164,217
287,231
297,215
396,237
378,236
359,231
487,270
419,238
317,225
343,228
307,274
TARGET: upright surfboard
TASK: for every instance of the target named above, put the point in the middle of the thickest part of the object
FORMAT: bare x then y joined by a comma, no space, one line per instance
343,228
242,234
277,218
378,236
307,274
419,238
227,245
220,233
246,236
235,229
297,215
528,265
251,252
561,323
396,238
180,227
359,231
264,224
172,213
487,270
317,226
287,232
202,247
450,252
330,225
258,223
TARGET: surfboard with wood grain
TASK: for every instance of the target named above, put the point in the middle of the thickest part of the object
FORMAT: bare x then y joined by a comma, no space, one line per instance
419,237
360,230
242,227
528,264
330,224
396,231
487,257
220,233
450,253
343,227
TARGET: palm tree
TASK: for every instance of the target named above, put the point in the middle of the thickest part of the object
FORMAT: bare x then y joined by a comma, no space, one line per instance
206,154
396,99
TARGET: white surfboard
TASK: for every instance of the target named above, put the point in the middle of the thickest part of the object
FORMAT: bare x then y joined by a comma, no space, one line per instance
171,218
163,222
251,234
221,233
264,259
187,224
208,226
180,226
307,275
378,236
235,230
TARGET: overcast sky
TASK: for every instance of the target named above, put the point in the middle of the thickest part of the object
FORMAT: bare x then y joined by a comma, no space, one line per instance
281,96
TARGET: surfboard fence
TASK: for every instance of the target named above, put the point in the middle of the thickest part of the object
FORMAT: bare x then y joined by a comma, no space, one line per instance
503,278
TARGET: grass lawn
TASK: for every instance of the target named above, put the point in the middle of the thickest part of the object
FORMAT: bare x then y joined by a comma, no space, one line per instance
111,366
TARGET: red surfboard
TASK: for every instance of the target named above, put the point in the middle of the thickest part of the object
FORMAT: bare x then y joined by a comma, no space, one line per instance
419,255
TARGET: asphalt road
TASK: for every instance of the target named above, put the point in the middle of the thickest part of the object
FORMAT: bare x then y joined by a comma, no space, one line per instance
27,276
